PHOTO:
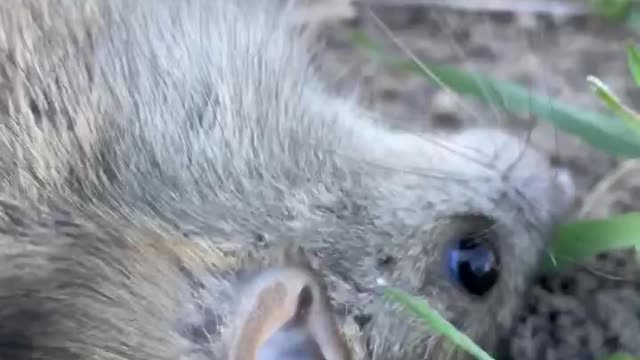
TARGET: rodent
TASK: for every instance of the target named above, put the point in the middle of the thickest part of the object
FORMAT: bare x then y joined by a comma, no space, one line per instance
160,159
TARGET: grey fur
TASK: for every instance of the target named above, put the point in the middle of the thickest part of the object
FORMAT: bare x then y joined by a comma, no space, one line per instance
156,120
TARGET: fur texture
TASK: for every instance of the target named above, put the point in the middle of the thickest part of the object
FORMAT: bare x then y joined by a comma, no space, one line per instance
132,128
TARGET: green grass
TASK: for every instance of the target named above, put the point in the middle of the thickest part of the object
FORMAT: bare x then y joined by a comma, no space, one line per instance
620,357
625,12
581,240
433,321
605,132
615,10
431,318
617,133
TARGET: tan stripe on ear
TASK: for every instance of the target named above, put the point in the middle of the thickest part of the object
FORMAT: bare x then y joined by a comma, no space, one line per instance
272,301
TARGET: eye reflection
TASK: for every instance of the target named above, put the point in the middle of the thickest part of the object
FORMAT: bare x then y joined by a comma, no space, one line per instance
473,263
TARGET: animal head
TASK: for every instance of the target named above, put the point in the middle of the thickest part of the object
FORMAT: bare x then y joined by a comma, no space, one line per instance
199,125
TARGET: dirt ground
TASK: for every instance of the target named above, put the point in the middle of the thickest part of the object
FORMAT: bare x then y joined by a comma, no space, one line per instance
554,57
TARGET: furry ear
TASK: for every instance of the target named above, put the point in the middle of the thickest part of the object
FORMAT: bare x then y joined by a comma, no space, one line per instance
293,340
286,314
305,300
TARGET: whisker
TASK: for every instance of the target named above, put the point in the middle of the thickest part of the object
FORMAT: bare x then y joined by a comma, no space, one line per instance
485,89
457,151
604,274
417,61
461,53
546,90
440,175
602,188
521,153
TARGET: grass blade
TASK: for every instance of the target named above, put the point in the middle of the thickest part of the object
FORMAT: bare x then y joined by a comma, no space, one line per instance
607,133
632,21
620,356
630,117
421,309
613,10
633,61
581,240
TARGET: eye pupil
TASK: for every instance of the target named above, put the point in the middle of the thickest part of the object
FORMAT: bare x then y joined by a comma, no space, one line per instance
474,264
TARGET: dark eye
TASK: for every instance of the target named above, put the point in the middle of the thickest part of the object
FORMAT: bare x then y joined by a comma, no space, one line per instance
474,264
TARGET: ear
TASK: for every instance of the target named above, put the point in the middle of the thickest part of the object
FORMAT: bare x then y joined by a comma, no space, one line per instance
293,340
285,314
305,300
